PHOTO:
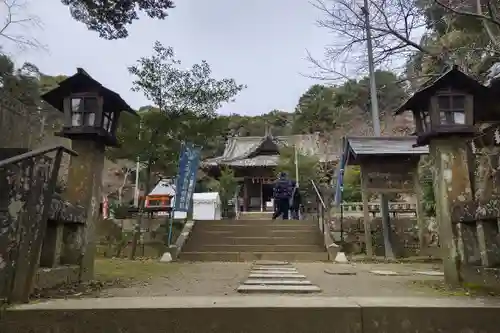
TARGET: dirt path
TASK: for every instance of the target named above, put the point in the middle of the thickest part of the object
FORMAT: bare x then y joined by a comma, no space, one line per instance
366,284
189,279
219,279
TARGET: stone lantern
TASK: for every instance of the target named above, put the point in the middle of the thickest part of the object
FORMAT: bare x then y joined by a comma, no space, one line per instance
448,111
448,106
91,111
91,114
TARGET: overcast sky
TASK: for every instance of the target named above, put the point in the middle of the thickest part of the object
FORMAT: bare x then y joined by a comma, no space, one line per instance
260,43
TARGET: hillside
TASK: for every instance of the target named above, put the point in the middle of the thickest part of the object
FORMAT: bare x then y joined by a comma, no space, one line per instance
334,111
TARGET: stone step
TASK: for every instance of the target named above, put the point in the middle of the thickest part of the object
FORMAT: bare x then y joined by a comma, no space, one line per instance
191,246
256,215
265,263
237,232
259,271
267,226
276,276
274,268
279,289
254,314
307,239
283,282
251,256
256,222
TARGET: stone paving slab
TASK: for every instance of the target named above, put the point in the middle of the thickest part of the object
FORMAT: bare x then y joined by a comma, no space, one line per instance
270,262
277,279
278,289
388,273
429,273
273,268
341,269
275,272
276,276
277,282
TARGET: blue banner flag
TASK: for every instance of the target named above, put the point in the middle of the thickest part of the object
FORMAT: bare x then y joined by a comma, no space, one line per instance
186,177
339,185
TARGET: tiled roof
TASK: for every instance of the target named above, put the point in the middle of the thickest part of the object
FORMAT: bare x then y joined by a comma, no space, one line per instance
402,145
238,150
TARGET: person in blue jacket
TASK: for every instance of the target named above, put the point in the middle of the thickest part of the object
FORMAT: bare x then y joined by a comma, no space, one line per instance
282,193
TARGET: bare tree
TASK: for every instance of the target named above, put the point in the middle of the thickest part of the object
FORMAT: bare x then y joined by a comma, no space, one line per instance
396,25
18,24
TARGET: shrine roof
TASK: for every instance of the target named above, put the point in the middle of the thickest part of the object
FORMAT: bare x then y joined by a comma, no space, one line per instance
366,146
240,151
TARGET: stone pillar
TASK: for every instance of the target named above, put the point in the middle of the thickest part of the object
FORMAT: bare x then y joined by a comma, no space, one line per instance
84,188
451,185
487,194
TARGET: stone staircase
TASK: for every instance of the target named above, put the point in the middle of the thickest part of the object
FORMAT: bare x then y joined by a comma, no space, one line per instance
249,239
271,277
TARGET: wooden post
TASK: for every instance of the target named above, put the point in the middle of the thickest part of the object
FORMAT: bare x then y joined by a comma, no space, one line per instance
366,217
422,226
245,194
451,185
261,195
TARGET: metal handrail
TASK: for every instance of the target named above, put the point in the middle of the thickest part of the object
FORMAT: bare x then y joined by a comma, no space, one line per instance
35,153
318,194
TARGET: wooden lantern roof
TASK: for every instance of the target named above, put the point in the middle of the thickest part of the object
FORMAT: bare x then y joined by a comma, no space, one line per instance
453,78
82,82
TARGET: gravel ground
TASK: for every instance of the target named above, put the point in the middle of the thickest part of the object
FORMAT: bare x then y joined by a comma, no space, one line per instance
189,279
217,279
366,284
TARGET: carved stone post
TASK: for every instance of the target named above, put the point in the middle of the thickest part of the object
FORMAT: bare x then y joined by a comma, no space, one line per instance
451,186
84,188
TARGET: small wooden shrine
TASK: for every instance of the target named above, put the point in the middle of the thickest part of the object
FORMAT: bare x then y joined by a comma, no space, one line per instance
388,165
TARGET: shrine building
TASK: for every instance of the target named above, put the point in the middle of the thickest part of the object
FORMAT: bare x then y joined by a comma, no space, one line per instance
254,160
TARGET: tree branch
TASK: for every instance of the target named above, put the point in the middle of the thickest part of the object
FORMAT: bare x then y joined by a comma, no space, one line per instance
470,14
18,18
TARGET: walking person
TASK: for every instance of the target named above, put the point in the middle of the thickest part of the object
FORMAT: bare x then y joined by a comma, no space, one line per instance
296,203
282,194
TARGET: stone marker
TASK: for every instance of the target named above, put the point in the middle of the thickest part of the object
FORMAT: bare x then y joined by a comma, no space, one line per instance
341,258
166,257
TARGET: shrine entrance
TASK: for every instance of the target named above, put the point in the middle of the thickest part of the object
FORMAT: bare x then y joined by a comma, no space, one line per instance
257,194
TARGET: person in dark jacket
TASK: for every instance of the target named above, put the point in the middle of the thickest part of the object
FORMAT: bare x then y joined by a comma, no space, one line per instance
282,194
296,203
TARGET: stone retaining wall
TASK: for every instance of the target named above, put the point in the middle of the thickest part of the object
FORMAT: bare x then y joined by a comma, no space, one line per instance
405,235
